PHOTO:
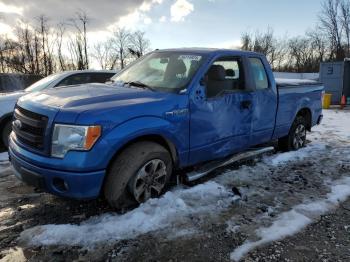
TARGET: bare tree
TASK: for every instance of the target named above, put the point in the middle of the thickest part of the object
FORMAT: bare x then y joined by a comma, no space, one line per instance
280,54
84,20
59,41
40,48
121,43
75,47
139,44
319,45
345,21
43,32
78,45
300,55
104,54
331,25
265,43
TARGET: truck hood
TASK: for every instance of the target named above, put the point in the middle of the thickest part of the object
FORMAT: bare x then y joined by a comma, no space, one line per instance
91,96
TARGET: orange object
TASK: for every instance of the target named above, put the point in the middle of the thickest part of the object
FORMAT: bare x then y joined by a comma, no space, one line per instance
93,133
343,102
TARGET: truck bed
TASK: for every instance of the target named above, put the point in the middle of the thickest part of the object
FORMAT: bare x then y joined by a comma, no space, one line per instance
292,94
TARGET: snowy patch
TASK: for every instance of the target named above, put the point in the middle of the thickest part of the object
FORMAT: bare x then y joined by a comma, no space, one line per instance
181,233
283,158
155,214
6,213
231,227
4,157
335,124
291,222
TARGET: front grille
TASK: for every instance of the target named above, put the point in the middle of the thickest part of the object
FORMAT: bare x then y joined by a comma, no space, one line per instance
30,130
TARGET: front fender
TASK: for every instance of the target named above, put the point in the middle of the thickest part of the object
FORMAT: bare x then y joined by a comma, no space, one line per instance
174,132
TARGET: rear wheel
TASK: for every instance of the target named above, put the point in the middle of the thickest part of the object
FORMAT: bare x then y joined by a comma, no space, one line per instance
7,128
139,173
296,137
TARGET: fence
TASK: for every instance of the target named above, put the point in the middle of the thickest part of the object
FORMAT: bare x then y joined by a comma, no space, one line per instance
13,82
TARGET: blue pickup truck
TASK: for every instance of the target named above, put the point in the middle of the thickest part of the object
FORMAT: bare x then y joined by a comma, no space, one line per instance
170,110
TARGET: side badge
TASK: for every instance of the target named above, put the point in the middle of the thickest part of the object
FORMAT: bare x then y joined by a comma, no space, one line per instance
177,113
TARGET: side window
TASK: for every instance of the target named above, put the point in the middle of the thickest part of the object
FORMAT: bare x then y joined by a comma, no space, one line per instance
76,80
231,68
224,75
259,73
101,77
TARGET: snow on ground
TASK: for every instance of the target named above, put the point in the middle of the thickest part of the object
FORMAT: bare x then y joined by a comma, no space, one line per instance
153,215
292,221
4,157
171,212
283,158
335,123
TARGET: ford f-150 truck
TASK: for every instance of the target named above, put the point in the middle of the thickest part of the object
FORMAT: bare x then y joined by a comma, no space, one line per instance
170,110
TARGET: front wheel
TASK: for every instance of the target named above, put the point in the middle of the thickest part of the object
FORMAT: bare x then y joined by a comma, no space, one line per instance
139,173
296,137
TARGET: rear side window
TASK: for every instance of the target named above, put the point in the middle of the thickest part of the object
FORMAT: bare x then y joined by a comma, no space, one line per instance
101,77
76,79
259,73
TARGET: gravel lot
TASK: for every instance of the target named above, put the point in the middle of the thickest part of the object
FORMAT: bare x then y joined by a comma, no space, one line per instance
284,207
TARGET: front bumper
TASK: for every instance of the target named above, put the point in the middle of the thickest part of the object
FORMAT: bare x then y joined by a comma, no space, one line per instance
78,185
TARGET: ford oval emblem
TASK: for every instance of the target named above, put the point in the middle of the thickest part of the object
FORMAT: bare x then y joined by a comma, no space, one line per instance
17,123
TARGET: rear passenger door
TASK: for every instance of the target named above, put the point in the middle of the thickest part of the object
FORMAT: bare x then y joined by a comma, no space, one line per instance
265,102
221,118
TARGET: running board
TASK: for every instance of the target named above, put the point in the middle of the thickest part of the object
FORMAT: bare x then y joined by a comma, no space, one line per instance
211,166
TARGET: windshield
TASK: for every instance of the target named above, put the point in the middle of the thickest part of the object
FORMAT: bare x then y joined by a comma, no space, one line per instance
164,71
42,83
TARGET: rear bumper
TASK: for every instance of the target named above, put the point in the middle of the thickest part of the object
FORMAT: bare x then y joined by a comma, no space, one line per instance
84,185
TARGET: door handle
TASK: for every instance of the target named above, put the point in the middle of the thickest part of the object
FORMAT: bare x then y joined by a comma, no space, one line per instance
246,104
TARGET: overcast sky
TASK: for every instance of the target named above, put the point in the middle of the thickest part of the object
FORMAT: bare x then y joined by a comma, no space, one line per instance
173,23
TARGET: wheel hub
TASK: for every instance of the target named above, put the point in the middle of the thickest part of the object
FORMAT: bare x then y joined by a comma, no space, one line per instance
149,180
299,136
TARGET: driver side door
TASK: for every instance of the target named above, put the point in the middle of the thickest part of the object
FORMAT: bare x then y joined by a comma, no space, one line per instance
221,112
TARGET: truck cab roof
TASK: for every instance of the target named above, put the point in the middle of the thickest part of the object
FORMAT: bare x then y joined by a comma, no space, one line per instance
205,50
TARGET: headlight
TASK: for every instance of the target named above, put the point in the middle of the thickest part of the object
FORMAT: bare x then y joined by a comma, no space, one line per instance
70,137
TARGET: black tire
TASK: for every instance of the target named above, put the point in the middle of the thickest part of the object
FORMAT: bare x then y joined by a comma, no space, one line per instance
296,132
7,128
121,176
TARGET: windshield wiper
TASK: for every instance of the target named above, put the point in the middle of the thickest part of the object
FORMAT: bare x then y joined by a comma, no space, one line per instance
139,84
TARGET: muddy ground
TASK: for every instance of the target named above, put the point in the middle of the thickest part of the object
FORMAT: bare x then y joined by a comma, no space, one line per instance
266,191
